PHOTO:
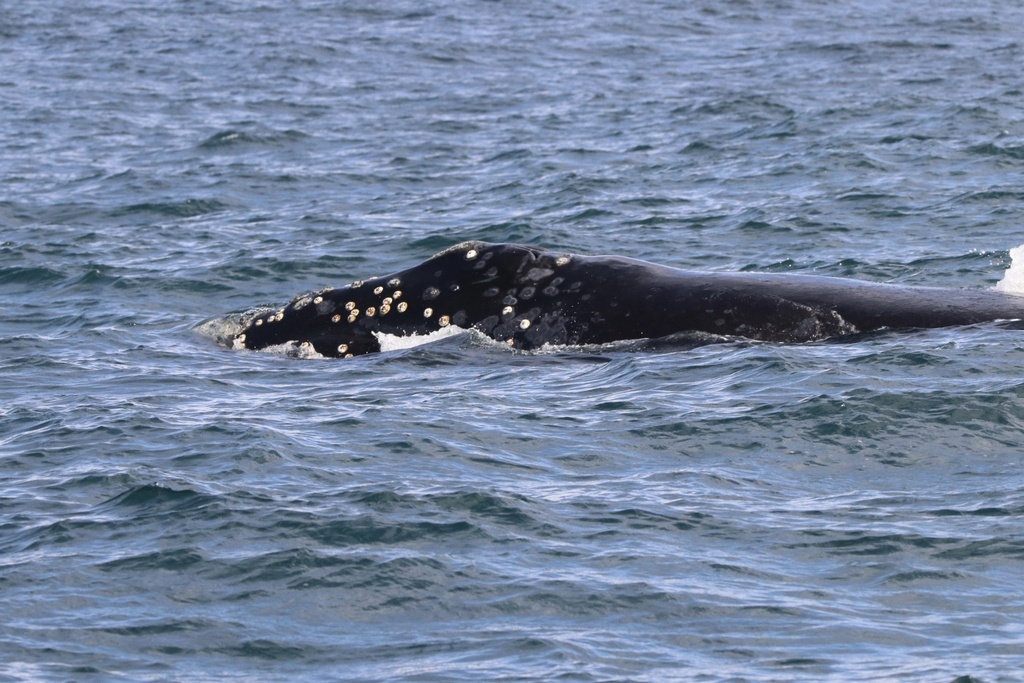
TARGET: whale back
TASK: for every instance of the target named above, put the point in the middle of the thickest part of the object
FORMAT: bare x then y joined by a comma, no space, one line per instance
527,297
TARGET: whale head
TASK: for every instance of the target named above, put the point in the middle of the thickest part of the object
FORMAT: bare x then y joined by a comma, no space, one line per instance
497,289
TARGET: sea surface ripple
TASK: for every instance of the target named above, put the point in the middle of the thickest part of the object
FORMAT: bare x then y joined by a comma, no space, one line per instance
171,509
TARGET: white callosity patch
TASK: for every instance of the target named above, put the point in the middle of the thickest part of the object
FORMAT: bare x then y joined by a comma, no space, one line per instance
1013,278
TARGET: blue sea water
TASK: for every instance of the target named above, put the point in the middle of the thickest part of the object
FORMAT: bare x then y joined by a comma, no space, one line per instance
171,509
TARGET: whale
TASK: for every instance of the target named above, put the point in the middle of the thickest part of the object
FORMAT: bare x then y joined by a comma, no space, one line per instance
528,297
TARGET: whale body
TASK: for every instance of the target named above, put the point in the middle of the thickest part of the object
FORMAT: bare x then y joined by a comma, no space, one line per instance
527,297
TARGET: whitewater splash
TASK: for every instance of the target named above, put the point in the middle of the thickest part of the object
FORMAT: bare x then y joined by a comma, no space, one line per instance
1013,278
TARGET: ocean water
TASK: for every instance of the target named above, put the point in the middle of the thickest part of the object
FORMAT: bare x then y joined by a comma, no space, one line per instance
171,509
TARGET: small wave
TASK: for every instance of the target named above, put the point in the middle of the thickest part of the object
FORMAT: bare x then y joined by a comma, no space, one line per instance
263,648
918,576
168,560
233,138
31,275
155,497
367,530
188,208
158,628
992,149
1000,197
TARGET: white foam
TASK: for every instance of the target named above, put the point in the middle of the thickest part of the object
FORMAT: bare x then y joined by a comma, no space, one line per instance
1013,279
392,342
293,349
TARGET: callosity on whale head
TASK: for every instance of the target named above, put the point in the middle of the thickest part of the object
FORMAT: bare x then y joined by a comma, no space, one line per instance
492,288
